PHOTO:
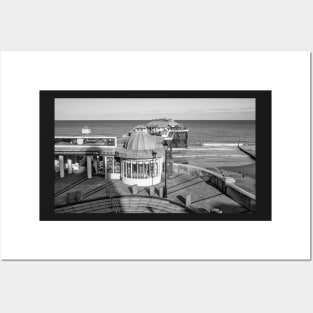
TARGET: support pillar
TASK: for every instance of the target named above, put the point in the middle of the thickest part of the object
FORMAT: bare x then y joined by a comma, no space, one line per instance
61,163
89,169
151,191
161,192
188,200
69,164
134,189
149,169
95,163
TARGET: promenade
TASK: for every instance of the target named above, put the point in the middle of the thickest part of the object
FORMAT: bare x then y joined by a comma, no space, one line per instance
203,195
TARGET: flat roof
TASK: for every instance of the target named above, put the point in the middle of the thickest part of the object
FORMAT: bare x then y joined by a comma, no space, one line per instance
84,149
84,136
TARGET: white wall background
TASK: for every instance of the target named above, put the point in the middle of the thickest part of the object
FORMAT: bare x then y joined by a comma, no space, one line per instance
44,286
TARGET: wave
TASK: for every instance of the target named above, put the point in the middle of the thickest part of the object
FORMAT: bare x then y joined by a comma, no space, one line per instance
203,149
220,144
210,155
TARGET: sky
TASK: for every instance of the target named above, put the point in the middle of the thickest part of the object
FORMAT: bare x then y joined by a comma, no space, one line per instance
147,109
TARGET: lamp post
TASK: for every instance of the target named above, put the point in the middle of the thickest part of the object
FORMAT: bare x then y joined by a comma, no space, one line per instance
165,186
154,157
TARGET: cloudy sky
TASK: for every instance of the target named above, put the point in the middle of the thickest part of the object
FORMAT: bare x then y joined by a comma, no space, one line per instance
146,109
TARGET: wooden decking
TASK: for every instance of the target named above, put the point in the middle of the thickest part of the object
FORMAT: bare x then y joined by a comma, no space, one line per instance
203,195
125,204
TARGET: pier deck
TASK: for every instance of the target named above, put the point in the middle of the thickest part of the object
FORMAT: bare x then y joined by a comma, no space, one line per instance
203,195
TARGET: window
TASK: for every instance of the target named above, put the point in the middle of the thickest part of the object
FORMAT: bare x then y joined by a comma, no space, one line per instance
110,164
117,166
124,167
140,170
101,166
134,165
128,169
146,170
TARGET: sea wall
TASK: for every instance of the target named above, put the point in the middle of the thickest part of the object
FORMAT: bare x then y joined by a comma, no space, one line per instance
244,198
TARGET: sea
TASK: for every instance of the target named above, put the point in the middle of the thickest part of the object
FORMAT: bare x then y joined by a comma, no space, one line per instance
210,143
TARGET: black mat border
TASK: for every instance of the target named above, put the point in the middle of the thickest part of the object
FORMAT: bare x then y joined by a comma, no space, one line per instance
263,144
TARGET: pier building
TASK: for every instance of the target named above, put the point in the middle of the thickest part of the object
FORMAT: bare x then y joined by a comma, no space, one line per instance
141,160
94,154
138,162
169,130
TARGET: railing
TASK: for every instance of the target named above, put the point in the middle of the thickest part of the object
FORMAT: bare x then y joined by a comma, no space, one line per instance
70,186
243,197
97,189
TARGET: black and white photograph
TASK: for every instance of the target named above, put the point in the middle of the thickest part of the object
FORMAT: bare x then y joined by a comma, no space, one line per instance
155,155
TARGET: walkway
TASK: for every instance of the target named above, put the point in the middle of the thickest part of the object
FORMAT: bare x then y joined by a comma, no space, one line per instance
125,204
203,196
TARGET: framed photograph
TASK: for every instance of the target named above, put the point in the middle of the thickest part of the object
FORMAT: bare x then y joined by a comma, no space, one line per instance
155,155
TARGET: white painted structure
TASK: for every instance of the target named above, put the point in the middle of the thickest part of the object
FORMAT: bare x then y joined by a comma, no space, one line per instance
141,160
145,172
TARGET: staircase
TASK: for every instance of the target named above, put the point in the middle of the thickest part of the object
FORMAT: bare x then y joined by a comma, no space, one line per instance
125,204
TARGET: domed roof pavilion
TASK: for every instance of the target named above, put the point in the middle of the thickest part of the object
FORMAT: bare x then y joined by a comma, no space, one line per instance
141,146
141,160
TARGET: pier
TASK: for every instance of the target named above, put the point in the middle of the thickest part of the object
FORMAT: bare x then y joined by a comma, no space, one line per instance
93,175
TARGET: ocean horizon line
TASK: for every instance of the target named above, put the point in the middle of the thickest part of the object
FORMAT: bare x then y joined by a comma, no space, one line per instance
150,119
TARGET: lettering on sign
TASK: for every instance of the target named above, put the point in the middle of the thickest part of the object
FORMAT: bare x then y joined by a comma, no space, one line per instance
100,142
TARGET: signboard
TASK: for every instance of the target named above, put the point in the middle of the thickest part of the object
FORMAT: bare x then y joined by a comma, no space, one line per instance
78,152
110,153
85,140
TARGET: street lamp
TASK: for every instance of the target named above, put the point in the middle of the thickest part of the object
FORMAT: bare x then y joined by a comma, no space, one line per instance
165,186
154,157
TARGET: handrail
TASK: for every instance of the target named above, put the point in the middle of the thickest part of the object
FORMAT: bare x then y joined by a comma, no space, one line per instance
234,186
200,169
68,187
97,189
245,192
